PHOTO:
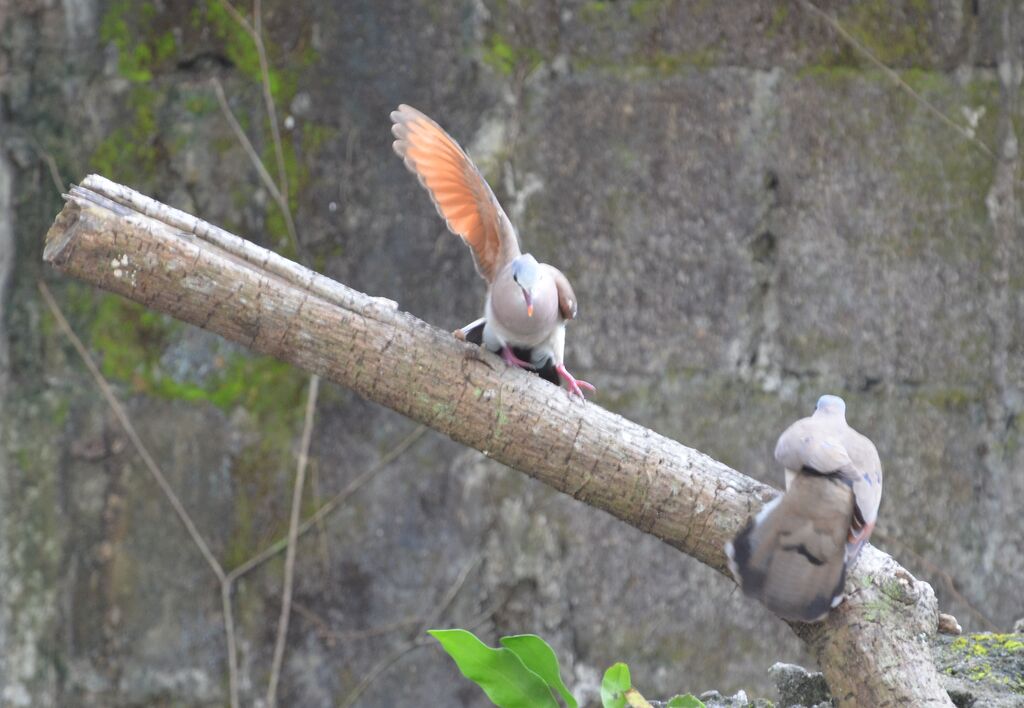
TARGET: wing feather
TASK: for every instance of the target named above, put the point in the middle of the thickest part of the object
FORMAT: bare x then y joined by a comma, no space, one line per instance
459,192
807,443
567,304
867,486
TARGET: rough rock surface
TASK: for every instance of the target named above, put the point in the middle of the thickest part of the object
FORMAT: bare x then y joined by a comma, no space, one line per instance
982,669
714,699
798,687
751,215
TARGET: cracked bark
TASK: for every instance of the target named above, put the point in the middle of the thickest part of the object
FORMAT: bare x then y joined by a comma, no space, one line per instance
873,649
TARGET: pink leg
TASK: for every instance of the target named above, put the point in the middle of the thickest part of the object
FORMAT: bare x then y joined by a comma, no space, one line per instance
862,535
856,540
512,360
575,385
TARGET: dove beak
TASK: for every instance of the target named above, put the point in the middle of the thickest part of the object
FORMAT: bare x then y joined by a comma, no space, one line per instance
529,302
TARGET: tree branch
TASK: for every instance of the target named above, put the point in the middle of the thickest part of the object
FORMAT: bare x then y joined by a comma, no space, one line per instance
872,649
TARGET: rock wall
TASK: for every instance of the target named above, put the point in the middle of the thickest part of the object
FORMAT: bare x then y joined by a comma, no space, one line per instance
751,215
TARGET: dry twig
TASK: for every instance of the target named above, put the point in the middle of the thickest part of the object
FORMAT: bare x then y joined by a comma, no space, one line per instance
279,191
254,158
331,505
293,535
255,31
416,641
896,78
161,480
325,630
268,96
51,166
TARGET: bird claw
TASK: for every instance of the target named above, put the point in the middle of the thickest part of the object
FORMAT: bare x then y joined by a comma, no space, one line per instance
860,535
574,384
512,360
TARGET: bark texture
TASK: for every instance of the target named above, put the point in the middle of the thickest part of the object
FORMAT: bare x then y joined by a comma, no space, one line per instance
873,650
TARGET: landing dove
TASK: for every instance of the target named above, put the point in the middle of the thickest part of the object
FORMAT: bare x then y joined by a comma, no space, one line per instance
528,303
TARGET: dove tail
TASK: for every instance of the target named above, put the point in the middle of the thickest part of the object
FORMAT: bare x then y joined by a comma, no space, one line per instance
473,332
792,555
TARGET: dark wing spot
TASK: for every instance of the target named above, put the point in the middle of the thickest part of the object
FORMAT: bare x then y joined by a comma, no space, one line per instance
834,475
751,579
802,550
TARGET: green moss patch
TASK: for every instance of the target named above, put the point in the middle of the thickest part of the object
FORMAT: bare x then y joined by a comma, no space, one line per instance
131,341
993,661
896,35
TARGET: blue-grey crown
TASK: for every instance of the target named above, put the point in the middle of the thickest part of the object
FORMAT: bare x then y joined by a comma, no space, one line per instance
833,402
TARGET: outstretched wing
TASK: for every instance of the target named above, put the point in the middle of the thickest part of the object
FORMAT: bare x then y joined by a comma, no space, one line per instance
460,193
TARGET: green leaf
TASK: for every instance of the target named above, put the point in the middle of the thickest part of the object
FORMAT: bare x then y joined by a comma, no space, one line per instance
499,672
614,685
539,658
687,701
635,700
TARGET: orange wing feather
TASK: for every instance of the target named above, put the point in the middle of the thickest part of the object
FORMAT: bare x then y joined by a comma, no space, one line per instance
458,190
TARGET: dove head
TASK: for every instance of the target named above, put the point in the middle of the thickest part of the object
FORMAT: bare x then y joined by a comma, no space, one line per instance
831,405
526,273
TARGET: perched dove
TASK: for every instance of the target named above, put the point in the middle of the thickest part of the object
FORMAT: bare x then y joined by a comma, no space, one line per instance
528,303
793,555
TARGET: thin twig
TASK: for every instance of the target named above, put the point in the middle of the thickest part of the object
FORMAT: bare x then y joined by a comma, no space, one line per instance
325,630
237,16
486,614
254,157
129,429
866,53
268,96
321,527
161,480
256,32
243,139
332,504
380,667
293,535
229,632
415,642
449,597
280,194
51,166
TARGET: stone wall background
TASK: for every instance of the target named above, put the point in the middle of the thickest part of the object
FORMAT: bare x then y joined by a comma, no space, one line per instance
750,213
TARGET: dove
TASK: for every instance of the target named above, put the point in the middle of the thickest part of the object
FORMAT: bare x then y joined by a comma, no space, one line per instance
528,303
794,554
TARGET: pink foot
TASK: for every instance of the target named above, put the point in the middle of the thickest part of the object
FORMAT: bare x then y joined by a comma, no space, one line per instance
575,385
857,539
862,535
512,360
